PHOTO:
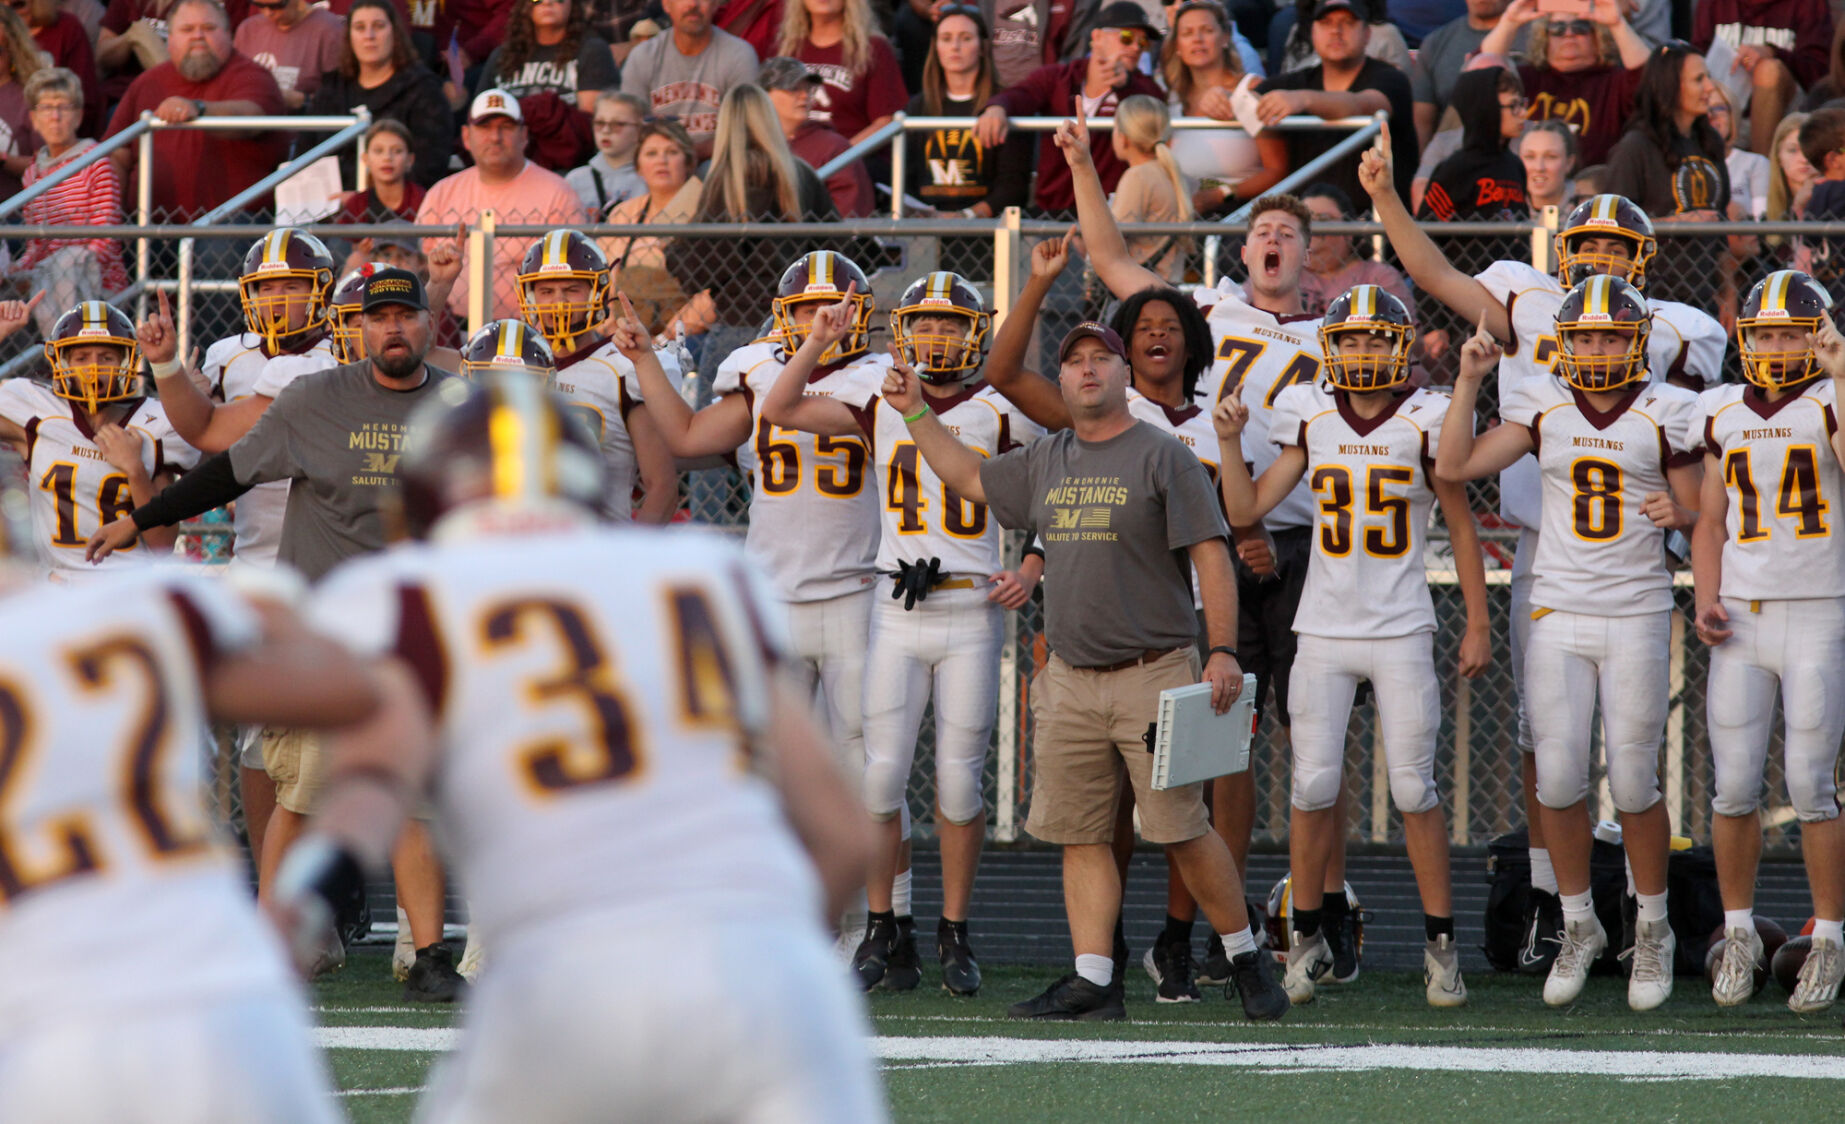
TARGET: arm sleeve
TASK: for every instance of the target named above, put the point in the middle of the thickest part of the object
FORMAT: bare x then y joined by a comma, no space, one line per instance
211,485
1007,481
1030,95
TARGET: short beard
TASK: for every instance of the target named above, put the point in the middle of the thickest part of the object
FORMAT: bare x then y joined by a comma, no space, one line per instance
392,367
198,65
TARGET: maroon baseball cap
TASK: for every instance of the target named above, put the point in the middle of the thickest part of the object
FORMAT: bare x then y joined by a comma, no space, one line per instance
1089,329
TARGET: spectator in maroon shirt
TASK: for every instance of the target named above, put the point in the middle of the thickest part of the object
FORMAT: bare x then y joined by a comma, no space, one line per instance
1573,74
1110,72
479,25
195,170
133,41
861,83
62,36
791,86
1782,45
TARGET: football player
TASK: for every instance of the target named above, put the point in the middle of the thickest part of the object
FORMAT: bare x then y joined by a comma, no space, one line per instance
1771,605
1265,341
813,524
94,444
564,292
1619,466
513,345
647,804
140,982
1605,234
1364,445
939,632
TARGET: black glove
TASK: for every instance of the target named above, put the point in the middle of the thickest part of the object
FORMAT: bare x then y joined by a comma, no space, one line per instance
915,580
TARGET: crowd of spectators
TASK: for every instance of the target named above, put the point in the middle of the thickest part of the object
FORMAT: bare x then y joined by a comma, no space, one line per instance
572,111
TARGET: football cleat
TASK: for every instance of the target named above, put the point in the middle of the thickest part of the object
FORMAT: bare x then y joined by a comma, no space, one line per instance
960,971
1820,976
1072,998
1649,977
1583,941
1735,982
872,957
1543,932
903,967
1341,933
433,978
1309,961
1170,965
1253,975
1441,973
1214,971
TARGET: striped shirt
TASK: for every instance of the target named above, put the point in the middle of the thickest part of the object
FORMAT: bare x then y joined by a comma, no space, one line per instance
92,197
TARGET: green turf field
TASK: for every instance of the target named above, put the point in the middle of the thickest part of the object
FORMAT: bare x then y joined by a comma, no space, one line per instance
1373,1052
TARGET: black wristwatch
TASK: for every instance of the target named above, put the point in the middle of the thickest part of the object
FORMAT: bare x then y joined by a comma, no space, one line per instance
199,104
1226,650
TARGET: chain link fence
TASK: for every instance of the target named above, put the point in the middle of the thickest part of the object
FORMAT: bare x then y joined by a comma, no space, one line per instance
1478,763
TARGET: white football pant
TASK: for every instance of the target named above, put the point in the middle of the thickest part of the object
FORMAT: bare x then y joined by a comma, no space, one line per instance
829,640
1408,697
1570,659
1799,644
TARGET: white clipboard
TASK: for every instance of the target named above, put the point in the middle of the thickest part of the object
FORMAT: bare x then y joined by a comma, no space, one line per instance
1194,743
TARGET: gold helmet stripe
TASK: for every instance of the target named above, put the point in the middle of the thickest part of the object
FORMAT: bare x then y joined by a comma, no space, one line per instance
1605,207
1364,301
275,246
557,247
509,341
1774,297
1597,296
523,457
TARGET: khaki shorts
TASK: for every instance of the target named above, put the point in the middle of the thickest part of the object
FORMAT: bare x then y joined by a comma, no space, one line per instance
296,761
1091,728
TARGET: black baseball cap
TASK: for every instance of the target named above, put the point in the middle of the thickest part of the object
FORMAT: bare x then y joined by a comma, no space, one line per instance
1126,13
784,73
393,286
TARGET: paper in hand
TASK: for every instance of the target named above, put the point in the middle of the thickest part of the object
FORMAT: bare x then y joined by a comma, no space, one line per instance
1243,101
312,193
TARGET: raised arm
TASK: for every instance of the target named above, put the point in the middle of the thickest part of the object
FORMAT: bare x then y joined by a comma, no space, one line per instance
1829,348
1470,567
1102,240
713,431
788,405
1518,13
955,463
1038,397
1461,457
1246,501
1426,265
206,426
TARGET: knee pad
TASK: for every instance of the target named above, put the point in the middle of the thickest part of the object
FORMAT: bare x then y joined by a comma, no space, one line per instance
1813,793
1412,792
1316,787
884,789
1560,784
1633,780
957,793
1737,786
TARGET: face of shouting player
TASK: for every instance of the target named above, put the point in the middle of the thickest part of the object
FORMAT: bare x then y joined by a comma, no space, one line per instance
1156,346
1274,251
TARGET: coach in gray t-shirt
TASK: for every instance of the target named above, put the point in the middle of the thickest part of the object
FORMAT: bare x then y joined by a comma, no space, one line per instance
1121,510
335,433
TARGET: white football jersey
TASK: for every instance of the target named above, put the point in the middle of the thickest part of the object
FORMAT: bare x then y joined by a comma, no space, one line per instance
236,367
1192,426
1784,486
1683,341
1597,554
1373,484
813,514
923,518
602,387
1264,353
74,490
595,734
114,889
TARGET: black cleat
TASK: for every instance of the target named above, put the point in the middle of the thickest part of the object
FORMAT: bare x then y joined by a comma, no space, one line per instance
960,971
1074,998
1543,933
1254,979
903,969
433,978
1170,965
1342,938
1215,971
1118,986
870,960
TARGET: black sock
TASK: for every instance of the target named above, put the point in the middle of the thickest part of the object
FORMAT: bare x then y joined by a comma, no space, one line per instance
1306,922
1437,927
1177,931
1335,905
949,928
1120,950
872,917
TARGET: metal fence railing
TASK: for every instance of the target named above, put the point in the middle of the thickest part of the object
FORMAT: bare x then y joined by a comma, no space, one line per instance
1478,762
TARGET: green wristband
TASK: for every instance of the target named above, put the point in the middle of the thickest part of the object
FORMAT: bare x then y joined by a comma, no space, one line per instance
911,419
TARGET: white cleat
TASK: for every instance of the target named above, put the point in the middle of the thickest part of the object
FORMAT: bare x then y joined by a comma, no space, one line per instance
1309,959
1441,971
1649,979
1583,941
1819,978
473,957
1735,982
403,953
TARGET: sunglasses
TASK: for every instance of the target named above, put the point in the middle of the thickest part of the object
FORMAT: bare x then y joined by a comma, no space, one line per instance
1572,27
1130,36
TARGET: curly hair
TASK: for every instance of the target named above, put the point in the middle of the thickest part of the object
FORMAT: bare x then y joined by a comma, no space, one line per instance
1292,205
1193,329
522,38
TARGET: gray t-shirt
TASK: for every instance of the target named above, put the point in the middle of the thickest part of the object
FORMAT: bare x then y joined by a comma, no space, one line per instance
1115,518
336,434
688,88
1442,55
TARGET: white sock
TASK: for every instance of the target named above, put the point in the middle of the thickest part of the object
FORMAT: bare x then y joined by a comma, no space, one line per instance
1098,970
1833,931
900,894
1632,892
1543,875
1739,918
1652,907
1237,943
1577,907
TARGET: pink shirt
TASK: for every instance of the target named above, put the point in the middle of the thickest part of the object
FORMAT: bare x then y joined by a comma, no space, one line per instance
534,197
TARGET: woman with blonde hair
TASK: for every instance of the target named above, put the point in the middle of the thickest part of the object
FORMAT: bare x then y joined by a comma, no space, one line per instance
861,81
1201,66
19,61
1790,177
1153,189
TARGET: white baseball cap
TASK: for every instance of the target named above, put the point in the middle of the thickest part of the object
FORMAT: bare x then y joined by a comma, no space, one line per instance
494,103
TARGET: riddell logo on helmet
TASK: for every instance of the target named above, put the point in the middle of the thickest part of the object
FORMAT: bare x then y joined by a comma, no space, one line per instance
936,302
1595,318
1595,221
555,267
822,287
271,266
95,331
1772,314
